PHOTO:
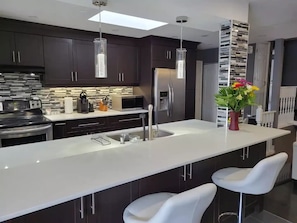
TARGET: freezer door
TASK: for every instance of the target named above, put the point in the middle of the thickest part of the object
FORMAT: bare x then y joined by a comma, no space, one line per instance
162,95
178,89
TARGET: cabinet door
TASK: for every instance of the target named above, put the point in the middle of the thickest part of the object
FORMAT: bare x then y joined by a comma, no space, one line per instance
84,63
110,204
164,56
59,130
127,64
58,61
124,122
168,181
7,46
113,76
29,50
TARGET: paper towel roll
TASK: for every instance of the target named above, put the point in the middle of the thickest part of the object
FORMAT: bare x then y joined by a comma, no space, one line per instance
68,105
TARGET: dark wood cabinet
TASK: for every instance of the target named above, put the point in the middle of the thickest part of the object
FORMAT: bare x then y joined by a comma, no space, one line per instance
59,130
21,49
122,65
124,122
164,56
58,61
69,62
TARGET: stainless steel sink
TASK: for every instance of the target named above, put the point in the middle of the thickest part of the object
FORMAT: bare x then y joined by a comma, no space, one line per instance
139,135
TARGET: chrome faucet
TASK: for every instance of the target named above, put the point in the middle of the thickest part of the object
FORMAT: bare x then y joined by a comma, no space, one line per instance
142,116
150,122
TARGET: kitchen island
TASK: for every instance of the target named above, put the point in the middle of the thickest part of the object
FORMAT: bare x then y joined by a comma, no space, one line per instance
40,175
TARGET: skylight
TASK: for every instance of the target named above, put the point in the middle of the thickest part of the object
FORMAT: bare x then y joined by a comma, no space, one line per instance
127,21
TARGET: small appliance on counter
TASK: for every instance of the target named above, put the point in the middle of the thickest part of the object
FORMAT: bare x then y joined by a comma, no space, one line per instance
82,103
127,102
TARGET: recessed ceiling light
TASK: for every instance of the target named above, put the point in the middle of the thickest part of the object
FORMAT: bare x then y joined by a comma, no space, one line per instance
127,21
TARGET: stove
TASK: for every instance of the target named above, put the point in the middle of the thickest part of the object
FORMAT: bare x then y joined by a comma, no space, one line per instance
22,121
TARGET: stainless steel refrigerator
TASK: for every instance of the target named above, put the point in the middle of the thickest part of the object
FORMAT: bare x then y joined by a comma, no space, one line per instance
169,96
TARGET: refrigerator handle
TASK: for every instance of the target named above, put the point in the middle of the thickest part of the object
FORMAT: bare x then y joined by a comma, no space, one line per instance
169,101
172,100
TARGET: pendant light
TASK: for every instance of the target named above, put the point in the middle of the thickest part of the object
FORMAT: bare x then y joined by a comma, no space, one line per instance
100,47
181,52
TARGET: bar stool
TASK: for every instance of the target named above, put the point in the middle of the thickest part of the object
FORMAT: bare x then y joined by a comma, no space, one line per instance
257,180
185,207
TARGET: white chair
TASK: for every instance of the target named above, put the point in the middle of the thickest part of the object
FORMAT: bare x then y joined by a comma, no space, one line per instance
266,119
257,180
185,207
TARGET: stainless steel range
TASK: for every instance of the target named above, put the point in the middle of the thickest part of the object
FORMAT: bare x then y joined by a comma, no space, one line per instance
22,121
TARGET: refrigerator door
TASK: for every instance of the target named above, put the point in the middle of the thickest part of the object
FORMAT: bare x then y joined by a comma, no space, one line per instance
178,89
162,93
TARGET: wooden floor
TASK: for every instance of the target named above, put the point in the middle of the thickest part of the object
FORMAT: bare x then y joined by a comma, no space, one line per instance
282,201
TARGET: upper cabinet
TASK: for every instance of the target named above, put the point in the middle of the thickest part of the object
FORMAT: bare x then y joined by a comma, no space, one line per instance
21,49
164,56
122,65
69,62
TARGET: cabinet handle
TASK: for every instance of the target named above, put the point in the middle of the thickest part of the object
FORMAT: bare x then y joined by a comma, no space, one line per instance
119,76
19,56
13,56
123,77
184,176
243,154
71,76
247,152
190,174
93,203
129,119
60,124
75,76
81,210
89,124
169,54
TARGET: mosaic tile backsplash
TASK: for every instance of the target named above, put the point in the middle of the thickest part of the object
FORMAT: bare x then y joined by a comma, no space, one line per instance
20,86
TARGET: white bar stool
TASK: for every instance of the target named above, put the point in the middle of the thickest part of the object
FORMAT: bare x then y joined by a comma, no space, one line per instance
257,180
185,207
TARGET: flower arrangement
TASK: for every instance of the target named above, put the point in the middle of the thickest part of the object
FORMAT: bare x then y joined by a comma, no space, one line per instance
237,96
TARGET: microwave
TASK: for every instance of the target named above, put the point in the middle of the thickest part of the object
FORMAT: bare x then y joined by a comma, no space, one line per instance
126,102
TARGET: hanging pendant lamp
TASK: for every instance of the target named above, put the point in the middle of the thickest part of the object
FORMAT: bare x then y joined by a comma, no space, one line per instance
181,52
100,45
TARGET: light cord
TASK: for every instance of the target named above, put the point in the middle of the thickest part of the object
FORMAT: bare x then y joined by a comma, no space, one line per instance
100,21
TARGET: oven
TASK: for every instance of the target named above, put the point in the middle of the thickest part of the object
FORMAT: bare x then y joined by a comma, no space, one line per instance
22,121
27,134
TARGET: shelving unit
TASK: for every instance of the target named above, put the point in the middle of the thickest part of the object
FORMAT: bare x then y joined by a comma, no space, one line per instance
233,53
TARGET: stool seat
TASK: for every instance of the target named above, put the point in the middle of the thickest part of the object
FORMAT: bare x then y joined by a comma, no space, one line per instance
185,207
257,180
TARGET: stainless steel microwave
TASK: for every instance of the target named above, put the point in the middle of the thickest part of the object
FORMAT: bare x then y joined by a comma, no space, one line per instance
126,102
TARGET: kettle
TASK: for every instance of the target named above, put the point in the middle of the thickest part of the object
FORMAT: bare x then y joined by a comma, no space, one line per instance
82,103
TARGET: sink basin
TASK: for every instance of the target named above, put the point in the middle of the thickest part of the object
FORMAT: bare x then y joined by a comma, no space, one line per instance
129,136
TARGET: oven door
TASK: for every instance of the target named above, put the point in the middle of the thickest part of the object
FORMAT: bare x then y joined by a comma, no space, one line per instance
27,134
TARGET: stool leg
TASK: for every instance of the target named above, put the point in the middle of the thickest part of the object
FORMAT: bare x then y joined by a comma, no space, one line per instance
240,209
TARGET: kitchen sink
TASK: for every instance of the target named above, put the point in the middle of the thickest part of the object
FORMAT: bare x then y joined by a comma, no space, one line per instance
138,135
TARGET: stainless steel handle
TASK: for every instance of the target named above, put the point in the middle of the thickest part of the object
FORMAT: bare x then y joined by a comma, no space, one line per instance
75,76
247,152
93,204
129,119
60,124
169,101
190,174
184,176
71,76
172,100
19,56
13,56
123,77
243,154
25,130
166,54
120,77
89,124
81,210
169,54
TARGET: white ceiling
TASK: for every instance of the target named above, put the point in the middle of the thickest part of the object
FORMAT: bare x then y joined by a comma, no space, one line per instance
269,19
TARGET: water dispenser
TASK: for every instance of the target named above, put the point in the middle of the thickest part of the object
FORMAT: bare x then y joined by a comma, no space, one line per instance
163,100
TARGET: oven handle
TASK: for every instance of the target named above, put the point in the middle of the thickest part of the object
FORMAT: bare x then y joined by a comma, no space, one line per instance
26,130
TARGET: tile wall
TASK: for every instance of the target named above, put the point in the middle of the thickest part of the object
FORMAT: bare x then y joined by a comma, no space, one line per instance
24,86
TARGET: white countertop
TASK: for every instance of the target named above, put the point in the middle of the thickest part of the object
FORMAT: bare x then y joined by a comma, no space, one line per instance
74,167
95,114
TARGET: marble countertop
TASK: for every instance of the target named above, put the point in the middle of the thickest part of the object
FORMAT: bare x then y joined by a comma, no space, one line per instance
95,114
40,175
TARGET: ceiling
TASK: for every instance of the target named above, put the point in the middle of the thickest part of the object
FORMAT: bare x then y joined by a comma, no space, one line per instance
269,19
